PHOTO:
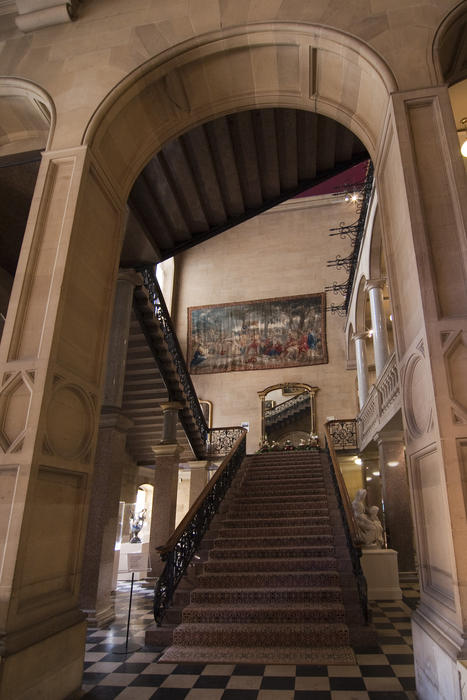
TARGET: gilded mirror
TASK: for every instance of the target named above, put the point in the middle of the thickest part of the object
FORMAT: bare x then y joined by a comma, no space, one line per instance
288,412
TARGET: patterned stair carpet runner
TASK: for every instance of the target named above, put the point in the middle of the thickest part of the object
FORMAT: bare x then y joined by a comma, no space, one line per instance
270,588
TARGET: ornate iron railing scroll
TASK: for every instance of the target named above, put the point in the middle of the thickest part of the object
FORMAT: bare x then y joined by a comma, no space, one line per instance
163,317
222,440
349,523
186,539
343,434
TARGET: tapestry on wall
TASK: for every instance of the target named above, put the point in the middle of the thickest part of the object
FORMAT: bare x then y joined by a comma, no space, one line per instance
263,334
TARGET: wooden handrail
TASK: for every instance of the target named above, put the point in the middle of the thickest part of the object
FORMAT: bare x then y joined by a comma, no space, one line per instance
175,536
348,511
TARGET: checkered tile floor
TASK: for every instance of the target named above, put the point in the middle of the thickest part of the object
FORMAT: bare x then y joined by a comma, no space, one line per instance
385,672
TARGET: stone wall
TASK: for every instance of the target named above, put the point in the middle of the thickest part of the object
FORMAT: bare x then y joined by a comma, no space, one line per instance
280,253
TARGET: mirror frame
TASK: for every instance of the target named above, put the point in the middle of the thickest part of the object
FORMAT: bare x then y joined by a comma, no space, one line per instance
312,390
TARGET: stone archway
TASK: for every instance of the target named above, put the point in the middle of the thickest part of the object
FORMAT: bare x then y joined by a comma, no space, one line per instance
280,65
53,350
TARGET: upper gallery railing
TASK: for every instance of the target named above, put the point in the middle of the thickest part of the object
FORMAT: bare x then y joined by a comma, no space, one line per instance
383,398
178,551
343,433
173,346
348,519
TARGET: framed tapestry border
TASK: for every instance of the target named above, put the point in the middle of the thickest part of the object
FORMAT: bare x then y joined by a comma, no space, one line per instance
273,333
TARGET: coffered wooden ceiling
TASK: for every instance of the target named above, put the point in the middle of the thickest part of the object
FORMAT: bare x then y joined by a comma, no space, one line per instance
228,170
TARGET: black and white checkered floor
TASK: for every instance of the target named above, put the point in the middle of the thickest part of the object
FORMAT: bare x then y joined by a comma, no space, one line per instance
385,672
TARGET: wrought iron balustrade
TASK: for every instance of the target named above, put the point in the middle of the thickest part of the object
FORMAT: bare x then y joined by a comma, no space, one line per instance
182,545
173,346
222,440
343,434
354,232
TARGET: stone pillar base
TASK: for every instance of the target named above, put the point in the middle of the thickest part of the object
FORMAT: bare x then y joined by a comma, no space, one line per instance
380,569
52,668
436,666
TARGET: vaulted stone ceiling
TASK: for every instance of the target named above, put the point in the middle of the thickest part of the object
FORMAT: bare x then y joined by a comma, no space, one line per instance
230,169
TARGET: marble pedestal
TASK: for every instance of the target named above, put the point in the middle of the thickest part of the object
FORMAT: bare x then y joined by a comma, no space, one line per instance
381,573
127,548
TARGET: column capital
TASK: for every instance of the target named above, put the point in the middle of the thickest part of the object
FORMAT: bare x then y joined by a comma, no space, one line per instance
360,336
172,406
128,274
116,420
375,283
167,450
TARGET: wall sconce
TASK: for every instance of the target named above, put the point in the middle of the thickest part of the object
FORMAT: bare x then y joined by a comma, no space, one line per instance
463,130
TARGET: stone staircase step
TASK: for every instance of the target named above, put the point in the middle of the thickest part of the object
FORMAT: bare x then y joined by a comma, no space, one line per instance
290,541
298,501
260,531
224,596
275,480
326,656
259,579
285,491
272,552
267,634
292,612
286,564
270,521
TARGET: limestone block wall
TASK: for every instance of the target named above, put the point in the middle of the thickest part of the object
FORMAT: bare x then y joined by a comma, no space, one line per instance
282,252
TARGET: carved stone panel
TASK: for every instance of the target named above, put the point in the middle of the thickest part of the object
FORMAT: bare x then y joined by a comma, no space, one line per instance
49,567
432,524
15,400
456,367
70,422
418,404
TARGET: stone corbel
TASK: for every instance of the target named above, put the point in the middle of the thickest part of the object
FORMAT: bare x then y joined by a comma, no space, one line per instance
38,14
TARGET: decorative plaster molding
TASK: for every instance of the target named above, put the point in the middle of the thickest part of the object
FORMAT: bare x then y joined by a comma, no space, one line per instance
38,14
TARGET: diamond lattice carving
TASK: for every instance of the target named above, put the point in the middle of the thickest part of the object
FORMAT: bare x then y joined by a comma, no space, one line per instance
15,399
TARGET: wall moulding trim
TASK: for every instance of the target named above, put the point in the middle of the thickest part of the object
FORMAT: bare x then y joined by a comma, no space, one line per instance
49,224
9,476
48,584
25,88
430,503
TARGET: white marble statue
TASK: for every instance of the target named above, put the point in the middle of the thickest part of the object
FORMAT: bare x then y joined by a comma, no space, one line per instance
369,528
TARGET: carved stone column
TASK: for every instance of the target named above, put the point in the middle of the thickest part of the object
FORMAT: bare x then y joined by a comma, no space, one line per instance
362,367
396,498
170,411
99,552
164,502
378,322
52,360
423,220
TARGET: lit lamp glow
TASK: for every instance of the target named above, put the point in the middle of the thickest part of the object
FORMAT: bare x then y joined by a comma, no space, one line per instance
463,130
393,464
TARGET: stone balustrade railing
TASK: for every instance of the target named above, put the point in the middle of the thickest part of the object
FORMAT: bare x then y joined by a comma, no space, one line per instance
382,402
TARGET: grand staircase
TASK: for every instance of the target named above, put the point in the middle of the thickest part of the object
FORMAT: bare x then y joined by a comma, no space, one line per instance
276,584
